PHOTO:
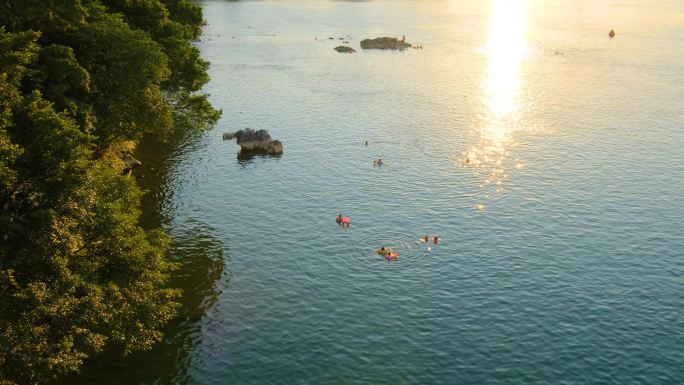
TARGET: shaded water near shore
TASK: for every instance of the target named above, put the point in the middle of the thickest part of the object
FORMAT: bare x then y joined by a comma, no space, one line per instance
547,156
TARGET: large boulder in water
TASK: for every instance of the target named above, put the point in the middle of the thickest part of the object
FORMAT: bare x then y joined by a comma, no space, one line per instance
384,43
250,140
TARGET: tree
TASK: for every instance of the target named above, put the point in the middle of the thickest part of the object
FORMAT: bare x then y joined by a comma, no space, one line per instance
173,24
78,273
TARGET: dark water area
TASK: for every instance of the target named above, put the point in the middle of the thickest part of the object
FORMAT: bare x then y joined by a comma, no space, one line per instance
548,158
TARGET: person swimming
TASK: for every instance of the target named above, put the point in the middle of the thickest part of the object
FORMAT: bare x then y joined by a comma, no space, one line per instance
385,250
338,220
435,240
424,238
391,256
346,221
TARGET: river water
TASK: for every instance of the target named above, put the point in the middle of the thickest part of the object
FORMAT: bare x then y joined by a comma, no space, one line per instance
547,157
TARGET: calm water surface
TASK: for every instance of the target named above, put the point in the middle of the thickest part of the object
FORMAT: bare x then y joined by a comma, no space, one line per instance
548,157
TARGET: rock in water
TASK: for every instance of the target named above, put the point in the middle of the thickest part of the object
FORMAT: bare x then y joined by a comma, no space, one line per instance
250,140
275,147
384,43
345,49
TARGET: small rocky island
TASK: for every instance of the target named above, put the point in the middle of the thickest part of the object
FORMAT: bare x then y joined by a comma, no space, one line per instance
344,49
385,43
257,141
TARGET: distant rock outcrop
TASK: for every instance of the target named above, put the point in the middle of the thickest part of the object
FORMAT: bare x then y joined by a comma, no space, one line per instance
384,43
260,141
345,49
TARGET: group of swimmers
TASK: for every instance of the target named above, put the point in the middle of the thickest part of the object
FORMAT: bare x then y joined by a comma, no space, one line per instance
427,239
387,252
343,221
390,254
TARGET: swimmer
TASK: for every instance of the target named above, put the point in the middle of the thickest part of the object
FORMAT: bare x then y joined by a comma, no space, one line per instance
435,240
339,220
391,256
378,162
424,238
384,250
346,221
366,143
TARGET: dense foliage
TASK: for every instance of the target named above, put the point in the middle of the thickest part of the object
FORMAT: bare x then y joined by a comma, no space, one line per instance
77,272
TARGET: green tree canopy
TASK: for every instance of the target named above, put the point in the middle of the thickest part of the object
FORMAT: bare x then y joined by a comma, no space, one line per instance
77,272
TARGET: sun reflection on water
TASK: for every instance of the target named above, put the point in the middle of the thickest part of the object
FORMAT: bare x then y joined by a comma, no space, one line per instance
501,114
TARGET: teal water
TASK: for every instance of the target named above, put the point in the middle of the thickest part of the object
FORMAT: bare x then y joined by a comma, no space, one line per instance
548,157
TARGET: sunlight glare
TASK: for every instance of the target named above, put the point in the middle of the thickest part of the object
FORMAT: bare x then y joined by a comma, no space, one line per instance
506,49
